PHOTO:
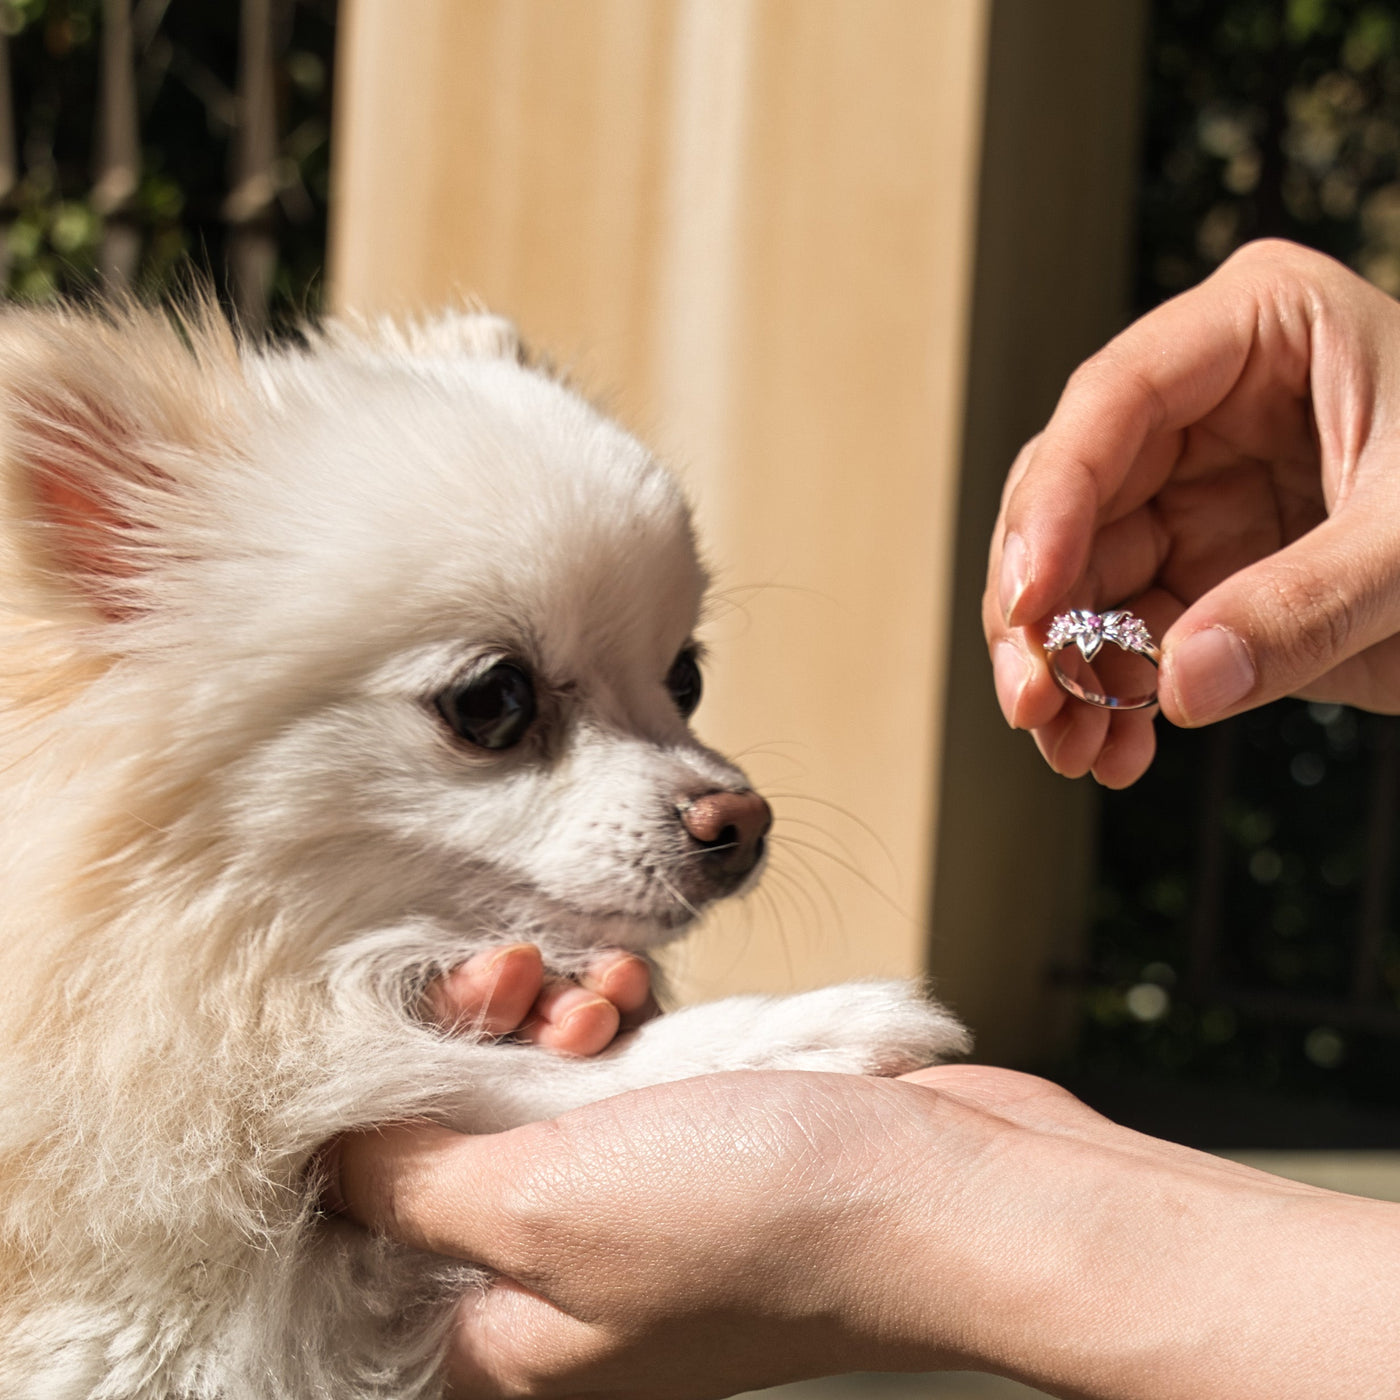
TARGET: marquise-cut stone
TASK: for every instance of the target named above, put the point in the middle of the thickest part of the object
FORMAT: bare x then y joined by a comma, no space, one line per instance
1089,630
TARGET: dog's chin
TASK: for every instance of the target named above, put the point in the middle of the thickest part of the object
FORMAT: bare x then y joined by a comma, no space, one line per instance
561,927
571,928
565,923
621,931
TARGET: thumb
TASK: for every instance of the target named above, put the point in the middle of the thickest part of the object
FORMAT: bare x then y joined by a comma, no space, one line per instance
1274,628
428,1187
451,1194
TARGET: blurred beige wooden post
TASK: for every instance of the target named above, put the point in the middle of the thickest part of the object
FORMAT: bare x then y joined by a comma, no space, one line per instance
751,226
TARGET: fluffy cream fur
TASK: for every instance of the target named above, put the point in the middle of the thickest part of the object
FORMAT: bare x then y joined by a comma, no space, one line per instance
237,839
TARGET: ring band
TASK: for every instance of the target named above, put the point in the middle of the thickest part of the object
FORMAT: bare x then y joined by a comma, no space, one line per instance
1089,631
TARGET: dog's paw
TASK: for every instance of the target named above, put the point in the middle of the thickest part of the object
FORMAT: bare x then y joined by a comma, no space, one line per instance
856,1028
862,1028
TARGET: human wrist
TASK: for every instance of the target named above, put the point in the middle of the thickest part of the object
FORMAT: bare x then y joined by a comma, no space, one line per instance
1137,1270
923,1255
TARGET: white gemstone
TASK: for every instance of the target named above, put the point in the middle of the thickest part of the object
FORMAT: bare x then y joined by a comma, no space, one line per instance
1089,630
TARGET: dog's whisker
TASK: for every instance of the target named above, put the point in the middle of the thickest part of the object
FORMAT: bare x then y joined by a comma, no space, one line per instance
840,811
693,855
677,895
787,751
802,903
817,828
814,876
851,869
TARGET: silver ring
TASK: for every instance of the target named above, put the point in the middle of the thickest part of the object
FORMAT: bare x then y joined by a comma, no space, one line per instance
1089,631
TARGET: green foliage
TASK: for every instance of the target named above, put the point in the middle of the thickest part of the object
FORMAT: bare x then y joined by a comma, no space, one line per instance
186,72
1271,120
1262,119
1294,862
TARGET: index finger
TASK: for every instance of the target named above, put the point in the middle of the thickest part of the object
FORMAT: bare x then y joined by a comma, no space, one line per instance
1115,433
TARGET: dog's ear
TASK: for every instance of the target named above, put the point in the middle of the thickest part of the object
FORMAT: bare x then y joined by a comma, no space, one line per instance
105,420
458,332
477,334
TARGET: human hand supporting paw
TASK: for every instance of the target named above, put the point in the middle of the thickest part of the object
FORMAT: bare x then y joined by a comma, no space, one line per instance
721,1233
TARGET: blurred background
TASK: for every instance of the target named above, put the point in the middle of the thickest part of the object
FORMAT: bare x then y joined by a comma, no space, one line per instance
834,258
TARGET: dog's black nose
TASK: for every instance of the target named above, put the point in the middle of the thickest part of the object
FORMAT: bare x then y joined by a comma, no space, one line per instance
730,826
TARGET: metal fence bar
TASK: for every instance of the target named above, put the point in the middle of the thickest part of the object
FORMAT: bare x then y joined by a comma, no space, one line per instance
250,205
252,253
118,150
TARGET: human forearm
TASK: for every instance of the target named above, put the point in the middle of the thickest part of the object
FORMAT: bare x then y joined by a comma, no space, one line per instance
1134,1270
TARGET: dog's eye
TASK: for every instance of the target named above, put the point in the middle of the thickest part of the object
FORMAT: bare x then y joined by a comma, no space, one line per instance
493,710
684,683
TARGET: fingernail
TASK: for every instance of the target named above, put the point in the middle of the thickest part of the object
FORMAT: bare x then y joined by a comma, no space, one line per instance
1210,672
1015,574
600,976
486,961
487,965
581,1006
1098,763
603,966
1010,674
1048,751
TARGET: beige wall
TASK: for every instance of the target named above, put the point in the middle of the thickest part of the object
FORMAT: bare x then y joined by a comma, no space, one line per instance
750,225
1014,855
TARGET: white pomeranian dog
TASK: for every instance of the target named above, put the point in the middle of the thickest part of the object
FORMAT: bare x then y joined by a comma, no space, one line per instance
323,669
